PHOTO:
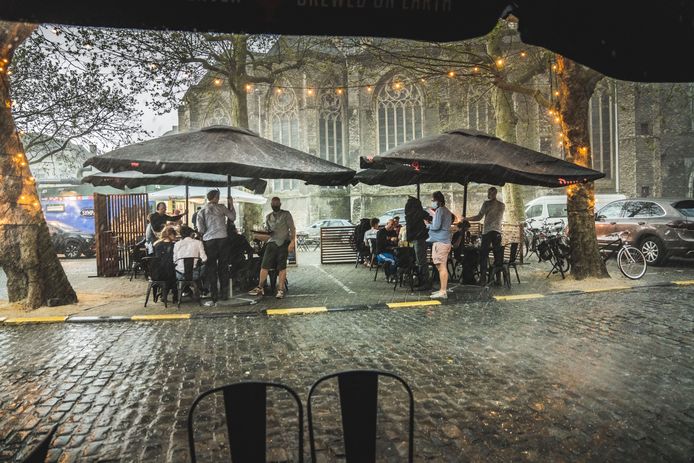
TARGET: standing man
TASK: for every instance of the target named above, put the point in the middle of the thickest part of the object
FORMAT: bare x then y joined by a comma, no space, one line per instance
440,236
417,234
159,218
212,227
282,240
493,212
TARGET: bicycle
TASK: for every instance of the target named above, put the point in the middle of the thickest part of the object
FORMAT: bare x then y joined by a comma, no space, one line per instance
630,260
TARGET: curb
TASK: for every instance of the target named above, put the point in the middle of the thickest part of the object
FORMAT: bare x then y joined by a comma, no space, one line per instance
81,319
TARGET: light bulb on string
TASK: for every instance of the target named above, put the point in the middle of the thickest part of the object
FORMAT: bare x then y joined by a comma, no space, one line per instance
249,88
369,88
217,81
397,85
523,54
500,62
476,69
451,74
339,91
278,90
309,92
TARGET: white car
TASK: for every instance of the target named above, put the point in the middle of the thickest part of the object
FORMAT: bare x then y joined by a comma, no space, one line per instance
313,230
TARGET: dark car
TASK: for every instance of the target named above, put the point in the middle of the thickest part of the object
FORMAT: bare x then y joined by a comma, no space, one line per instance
71,241
661,228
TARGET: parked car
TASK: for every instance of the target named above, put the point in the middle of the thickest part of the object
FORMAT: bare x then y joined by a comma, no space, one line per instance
554,206
71,241
313,230
661,228
396,212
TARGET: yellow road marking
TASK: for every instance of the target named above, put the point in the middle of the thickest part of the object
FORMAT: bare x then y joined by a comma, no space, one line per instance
400,305
51,319
518,297
172,316
611,288
301,310
684,282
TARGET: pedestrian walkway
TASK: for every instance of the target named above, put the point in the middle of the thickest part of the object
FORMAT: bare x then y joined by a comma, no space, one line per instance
315,288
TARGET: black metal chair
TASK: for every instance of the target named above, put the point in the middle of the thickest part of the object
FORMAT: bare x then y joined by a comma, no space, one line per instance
136,253
40,452
512,262
245,406
358,390
407,266
498,272
154,286
195,284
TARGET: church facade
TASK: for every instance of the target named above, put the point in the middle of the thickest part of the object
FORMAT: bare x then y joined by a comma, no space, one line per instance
642,135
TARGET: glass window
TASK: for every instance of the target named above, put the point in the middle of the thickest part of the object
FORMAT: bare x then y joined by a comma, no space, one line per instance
640,209
400,112
285,125
686,208
534,211
602,128
556,210
612,210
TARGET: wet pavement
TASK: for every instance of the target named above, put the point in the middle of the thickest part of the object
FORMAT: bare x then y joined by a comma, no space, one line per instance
592,377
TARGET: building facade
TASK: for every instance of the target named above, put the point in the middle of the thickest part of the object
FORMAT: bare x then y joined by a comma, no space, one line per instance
642,135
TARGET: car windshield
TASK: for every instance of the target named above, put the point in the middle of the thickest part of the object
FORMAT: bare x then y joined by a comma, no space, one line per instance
64,227
686,208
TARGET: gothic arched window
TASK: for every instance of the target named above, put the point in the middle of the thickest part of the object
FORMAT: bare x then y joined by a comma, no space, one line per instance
603,128
480,114
217,116
400,113
284,120
330,134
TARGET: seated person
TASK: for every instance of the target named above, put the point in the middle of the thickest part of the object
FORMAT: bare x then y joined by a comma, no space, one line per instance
371,233
385,247
159,218
394,232
164,250
460,238
175,222
188,247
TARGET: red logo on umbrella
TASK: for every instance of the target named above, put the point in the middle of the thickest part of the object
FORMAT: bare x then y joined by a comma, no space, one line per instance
415,165
134,164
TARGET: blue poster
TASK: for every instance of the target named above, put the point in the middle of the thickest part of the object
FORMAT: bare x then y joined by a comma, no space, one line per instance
76,211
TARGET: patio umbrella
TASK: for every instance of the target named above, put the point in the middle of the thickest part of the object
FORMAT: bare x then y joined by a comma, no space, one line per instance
222,150
464,156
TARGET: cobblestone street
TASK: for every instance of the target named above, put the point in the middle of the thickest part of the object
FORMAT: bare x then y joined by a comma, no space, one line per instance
595,377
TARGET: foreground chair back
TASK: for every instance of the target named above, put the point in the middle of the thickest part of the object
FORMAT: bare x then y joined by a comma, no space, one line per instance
358,390
245,406
40,452
189,279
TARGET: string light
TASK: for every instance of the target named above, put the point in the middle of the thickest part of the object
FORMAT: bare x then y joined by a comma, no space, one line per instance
554,67
500,62
369,88
339,91
397,85
476,69
217,81
451,74
556,93
249,88
309,92
523,54
278,90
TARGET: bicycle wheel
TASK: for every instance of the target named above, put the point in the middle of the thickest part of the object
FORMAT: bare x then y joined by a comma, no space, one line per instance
631,262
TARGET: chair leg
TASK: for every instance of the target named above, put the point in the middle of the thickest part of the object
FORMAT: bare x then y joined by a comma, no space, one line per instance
149,290
179,286
515,269
376,274
164,296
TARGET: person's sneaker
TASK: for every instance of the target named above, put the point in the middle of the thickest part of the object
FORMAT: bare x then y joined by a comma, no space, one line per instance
439,295
257,291
209,303
280,294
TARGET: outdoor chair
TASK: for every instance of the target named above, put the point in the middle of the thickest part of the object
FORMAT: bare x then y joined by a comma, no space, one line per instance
245,406
374,253
136,253
512,262
40,452
195,284
158,288
407,266
498,272
363,254
358,393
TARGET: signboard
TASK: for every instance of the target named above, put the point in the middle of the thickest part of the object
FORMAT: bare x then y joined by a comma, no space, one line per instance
76,211
442,20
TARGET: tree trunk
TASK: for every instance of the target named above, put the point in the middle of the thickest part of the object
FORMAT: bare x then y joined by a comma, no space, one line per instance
34,273
506,122
576,86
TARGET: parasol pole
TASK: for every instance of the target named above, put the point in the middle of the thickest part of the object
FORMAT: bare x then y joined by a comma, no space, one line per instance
465,199
417,190
229,191
187,204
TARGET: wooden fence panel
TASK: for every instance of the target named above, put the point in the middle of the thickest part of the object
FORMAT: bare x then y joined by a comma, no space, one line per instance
336,245
121,221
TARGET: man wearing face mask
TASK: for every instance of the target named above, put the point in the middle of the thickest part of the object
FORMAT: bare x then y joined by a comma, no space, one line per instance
282,241
493,212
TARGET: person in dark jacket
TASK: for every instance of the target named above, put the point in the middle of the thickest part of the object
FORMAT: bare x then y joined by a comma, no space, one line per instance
417,234
159,218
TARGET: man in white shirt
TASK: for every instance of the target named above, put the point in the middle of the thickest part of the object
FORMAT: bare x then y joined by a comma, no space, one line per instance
188,247
212,225
371,232
493,212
